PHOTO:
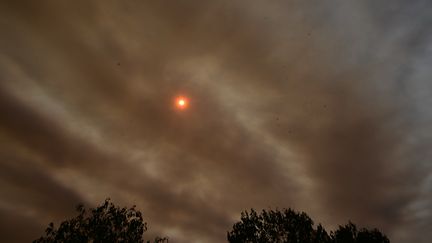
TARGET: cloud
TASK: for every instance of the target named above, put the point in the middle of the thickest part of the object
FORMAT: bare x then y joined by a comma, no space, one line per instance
319,107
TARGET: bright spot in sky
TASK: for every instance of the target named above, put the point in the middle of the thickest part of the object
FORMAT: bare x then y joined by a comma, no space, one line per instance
181,102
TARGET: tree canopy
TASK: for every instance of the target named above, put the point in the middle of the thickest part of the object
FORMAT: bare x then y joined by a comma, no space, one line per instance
350,234
289,226
106,223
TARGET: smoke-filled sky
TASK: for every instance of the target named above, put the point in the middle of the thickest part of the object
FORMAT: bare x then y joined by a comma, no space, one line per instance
322,106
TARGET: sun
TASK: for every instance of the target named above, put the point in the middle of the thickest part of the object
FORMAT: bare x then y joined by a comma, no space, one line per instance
182,102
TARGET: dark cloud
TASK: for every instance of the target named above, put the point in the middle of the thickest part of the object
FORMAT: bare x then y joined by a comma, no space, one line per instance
17,227
320,107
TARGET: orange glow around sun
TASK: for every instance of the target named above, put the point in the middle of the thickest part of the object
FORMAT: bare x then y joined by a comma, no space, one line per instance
181,102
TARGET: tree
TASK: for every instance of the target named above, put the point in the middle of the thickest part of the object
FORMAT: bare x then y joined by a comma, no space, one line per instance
106,223
350,234
276,226
289,226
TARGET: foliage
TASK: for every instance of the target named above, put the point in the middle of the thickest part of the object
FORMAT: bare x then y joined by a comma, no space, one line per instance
289,226
106,223
350,234
109,223
276,226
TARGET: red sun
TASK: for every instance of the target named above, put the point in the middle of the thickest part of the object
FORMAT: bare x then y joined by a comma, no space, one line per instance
181,102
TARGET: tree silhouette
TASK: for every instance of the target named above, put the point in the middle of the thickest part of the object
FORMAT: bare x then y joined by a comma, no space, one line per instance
276,226
350,234
289,226
109,223
106,223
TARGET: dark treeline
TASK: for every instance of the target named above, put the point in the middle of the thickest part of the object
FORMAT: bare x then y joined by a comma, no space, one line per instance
108,223
290,226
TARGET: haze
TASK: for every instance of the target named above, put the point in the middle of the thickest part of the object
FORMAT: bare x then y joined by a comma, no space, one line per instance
322,106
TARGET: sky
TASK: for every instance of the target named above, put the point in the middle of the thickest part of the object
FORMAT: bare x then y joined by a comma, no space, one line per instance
321,106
